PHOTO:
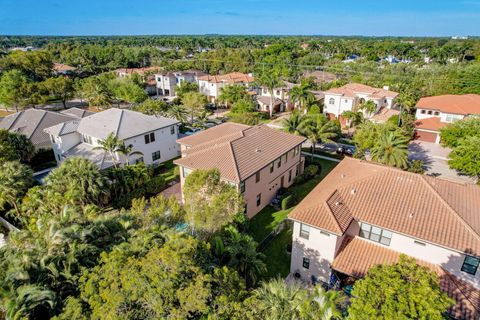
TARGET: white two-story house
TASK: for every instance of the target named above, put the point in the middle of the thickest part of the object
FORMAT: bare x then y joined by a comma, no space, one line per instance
350,96
364,214
211,85
434,113
168,82
153,138
281,98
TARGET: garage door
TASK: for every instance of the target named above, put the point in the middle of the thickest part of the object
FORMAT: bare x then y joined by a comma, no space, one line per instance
425,136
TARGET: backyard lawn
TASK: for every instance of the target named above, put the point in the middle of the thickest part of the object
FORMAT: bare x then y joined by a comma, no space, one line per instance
278,260
168,170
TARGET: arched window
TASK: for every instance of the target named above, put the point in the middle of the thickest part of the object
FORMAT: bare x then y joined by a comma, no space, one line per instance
362,100
331,101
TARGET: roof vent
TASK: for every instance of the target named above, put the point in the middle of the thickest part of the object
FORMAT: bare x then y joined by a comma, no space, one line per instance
411,215
338,203
353,191
258,150
343,175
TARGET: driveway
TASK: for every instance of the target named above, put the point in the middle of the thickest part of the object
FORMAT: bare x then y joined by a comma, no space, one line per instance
435,158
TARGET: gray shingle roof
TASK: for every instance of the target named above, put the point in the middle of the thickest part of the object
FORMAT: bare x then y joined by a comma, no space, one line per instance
77,112
62,129
124,123
32,122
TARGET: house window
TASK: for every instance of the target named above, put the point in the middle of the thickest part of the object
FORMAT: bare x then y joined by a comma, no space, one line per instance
429,112
155,155
87,139
297,170
290,176
259,199
436,113
186,172
422,111
172,130
470,264
423,244
286,157
375,234
306,263
139,160
304,231
279,164
271,167
278,92
257,177
331,101
242,186
149,137
325,233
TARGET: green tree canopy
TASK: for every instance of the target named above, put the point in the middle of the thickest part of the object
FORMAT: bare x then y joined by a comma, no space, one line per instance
152,107
391,149
195,103
127,90
231,94
465,157
61,88
13,89
452,134
36,65
15,179
186,87
403,290
15,146
209,202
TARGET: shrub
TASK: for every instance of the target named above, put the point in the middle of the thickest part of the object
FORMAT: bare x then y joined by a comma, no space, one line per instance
299,179
155,185
287,202
311,171
416,166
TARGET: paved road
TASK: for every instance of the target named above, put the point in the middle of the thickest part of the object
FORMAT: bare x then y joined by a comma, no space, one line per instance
435,158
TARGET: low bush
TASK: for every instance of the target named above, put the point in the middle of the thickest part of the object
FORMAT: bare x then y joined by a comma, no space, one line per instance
311,171
155,185
288,202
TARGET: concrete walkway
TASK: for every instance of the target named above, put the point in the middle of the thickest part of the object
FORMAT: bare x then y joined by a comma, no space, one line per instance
173,191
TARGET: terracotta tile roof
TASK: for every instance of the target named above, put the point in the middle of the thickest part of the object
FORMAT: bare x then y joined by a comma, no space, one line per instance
437,211
266,100
238,151
137,70
321,76
63,67
356,256
234,77
432,123
352,89
384,114
458,104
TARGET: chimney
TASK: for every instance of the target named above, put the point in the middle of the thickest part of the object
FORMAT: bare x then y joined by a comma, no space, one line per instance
386,88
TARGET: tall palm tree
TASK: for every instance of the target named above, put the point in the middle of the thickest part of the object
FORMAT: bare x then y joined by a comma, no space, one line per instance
270,80
292,123
302,95
242,254
127,152
177,112
354,118
231,94
391,149
15,179
369,107
279,301
317,128
110,144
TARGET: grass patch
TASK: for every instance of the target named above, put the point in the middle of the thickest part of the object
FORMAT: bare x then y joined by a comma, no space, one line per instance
4,113
168,170
278,260
302,190
265,221
323,153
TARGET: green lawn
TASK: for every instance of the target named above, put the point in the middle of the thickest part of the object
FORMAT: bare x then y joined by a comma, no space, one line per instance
265,221
277,258
168,171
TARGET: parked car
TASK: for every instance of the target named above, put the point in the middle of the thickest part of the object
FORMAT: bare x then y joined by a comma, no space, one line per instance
192,131
211,106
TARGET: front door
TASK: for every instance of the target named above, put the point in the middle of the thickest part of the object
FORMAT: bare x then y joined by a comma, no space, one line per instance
282,182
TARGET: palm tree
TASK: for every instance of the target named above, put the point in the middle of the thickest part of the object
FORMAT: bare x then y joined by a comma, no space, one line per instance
302,95
322,305
391,149
270,80
353,118
128,151
279,301
110,144
292,123
369,107
15,179
231,94
177,112
242,254
319,129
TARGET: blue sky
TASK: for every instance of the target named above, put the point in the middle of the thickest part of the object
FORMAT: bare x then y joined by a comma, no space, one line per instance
310,17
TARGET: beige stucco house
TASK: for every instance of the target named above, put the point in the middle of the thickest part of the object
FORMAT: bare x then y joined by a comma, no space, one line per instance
363,214
257,160
211,85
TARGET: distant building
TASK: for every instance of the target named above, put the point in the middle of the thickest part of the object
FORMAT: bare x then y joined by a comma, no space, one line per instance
321,76
63,69
154,137
257,160
167,82
126,72
281,99
434,113
211,85
350,96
